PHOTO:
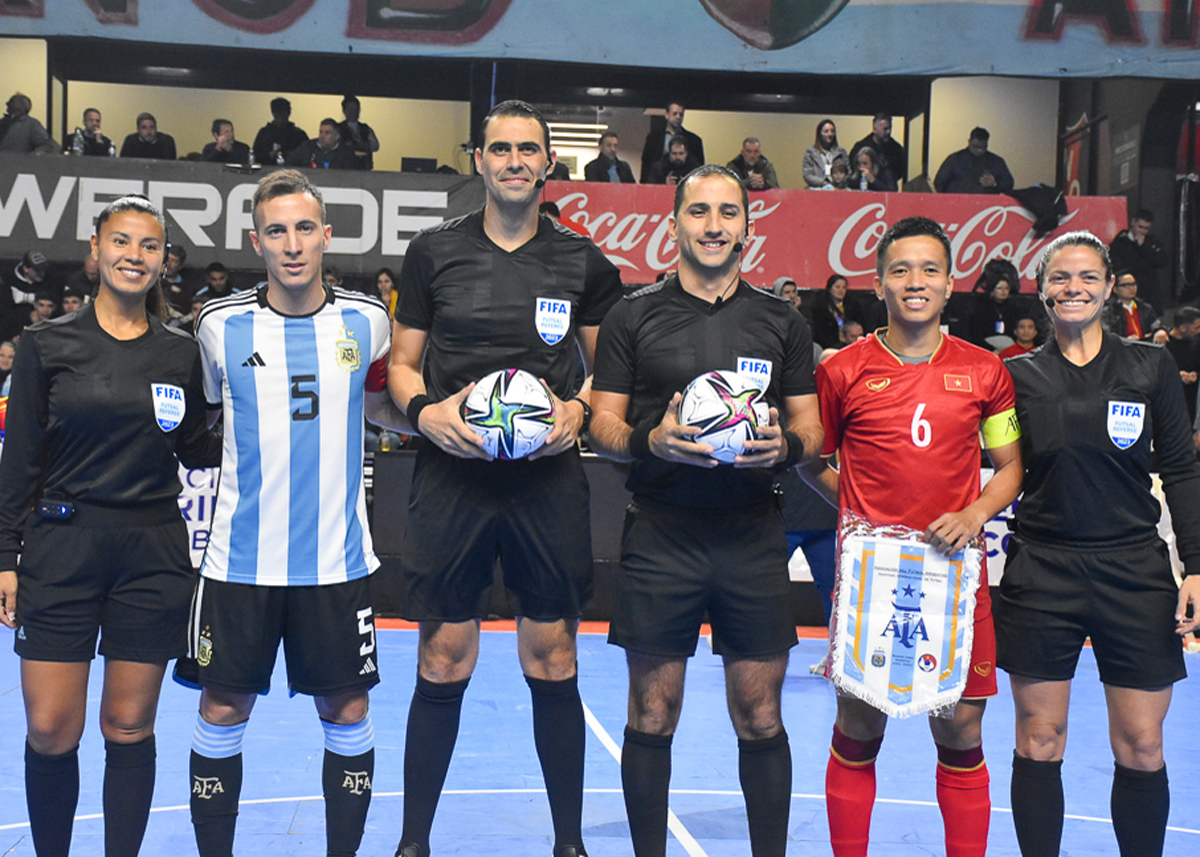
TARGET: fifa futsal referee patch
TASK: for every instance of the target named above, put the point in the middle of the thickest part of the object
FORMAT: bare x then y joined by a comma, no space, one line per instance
1001,429
552,317
1125,421
169,405
756,369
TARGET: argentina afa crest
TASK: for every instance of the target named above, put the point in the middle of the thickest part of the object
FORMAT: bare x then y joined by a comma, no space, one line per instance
552,318
169,405
1125,422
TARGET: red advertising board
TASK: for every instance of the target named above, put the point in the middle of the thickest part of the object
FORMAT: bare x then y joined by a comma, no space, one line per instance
809,235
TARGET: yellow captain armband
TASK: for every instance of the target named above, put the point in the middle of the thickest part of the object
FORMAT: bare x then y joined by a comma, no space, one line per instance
1001,429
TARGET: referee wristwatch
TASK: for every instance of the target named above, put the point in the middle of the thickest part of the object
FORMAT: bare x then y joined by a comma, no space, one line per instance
587,415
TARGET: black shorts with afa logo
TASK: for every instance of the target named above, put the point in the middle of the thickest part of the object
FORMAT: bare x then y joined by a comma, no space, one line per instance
328,634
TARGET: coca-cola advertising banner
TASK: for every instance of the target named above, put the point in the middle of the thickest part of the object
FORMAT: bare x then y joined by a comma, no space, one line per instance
808,235
1089,38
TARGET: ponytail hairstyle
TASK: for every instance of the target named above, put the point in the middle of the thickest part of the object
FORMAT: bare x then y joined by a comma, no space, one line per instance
156,301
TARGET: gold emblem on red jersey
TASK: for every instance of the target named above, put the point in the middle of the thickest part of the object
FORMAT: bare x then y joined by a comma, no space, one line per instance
877,384
983,668
958,383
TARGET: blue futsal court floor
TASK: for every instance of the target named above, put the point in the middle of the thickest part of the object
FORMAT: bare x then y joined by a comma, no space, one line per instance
494,801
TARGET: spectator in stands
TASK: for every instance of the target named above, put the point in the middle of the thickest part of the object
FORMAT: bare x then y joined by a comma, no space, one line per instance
839,176
995,314
785,287
27,277
332,277
21,133
887,151
1129,317
852,331
607,167
84,280
89,140
1026,336
176,288
325,151
673,166
974,169
1137,251
216,283
1184,346
71,300
560,172
820,157
358,136
147,142
870,173
7,352
225,148
44,308
385,285
832,311
753,168
279,136
658,145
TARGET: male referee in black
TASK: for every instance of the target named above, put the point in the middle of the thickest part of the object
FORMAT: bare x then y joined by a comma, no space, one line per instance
699,536
500,288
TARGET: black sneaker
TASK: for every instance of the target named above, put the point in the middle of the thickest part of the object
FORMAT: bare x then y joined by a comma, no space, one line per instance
412,849
570,851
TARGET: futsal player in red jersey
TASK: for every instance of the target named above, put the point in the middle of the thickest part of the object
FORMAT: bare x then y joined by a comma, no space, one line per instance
904,409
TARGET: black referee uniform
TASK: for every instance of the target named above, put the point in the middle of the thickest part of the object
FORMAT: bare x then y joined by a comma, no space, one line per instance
486,309
1086,559
701,539
89,489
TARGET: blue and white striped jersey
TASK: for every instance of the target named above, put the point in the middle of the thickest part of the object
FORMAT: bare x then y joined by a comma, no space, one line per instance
291,510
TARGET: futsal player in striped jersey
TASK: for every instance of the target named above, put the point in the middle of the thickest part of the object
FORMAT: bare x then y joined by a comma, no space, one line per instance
293,365
904,408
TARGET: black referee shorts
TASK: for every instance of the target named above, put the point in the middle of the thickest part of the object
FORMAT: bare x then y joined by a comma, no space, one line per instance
463,514
129,586
678,563
1052,599
328,635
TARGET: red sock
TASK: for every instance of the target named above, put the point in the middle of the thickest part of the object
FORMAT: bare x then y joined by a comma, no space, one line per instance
850,793
962,793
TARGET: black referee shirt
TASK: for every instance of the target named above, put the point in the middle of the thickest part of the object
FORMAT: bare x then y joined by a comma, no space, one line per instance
1086,436
658,339
82,421
485,309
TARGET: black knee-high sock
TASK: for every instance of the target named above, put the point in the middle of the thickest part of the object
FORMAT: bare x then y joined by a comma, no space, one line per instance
346,782
432,732
560,735
1036,793
1141,801
51,793
216,787
128,791
765,771
646,779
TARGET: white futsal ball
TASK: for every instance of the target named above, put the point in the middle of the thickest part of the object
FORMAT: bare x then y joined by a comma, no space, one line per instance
512,411
727,407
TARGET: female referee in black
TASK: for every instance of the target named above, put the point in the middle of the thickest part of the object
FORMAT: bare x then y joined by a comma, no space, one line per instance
104,404
1086,559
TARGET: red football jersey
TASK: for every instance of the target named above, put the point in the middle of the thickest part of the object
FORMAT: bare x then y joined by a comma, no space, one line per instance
909,434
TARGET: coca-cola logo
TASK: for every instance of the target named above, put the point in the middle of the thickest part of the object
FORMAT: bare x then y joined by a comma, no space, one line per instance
998,231
640,242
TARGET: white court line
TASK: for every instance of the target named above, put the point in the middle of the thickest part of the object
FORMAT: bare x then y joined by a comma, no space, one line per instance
603,736
690,845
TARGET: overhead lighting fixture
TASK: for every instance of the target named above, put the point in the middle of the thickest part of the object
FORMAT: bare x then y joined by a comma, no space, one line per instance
167,71
601,91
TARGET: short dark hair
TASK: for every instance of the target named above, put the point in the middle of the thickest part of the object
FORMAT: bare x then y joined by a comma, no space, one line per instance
178,251
980,134
1079,238
329,120
516,109
705,172
279,105
284,183
350,99
879,117
911,227
217,123
607,134
1144,214
331,271
142,117
90,110
1187,314
678,140
215,268
550,208
667,106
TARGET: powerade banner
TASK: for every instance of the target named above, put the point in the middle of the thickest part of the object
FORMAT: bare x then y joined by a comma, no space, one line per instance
1088,38
51,203
808,234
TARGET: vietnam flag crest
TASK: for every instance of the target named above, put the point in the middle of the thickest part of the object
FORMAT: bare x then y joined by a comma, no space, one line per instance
958,383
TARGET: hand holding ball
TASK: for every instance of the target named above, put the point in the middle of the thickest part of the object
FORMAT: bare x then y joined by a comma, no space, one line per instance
512,411
727,407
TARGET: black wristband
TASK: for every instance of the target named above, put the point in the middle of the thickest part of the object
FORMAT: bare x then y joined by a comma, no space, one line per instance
417,404
587,414
639,440
795,450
